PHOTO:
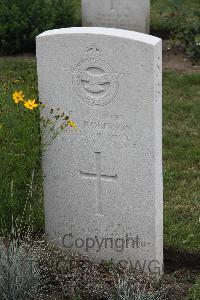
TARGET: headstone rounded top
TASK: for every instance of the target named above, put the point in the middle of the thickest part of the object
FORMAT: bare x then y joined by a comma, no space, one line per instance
123,14
103,181
137,36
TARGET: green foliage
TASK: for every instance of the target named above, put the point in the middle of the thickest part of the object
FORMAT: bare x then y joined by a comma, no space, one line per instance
180,21
194,293
20,151
176,3
21,148
22,20
186,34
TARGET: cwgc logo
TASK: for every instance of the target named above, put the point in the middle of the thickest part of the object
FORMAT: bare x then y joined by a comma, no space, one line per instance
94,81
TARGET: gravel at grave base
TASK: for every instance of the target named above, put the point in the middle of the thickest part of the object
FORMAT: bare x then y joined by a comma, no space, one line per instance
71,273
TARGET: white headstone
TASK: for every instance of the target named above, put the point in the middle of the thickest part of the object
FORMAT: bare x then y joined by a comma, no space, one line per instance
103,183
126,14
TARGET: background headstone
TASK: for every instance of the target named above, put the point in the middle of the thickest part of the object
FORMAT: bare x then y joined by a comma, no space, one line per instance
124,14
103,183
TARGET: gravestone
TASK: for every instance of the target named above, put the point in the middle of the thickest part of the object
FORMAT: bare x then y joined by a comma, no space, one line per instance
125,14
103,182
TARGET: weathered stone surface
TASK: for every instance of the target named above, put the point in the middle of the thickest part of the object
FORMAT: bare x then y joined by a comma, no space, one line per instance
124,14
103,183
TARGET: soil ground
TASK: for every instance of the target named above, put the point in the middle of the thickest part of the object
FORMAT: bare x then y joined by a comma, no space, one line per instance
178,62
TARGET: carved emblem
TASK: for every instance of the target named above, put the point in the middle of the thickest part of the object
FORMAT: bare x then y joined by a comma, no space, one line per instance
94,80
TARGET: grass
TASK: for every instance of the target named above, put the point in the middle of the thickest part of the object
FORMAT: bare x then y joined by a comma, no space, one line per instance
194,293
20,153
162,19
181,161
20,172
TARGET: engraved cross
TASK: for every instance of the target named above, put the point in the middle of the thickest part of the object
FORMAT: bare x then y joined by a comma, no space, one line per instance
99,177
112,6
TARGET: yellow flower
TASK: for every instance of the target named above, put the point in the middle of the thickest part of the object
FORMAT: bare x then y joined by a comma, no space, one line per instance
30,104
72,124
17,97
